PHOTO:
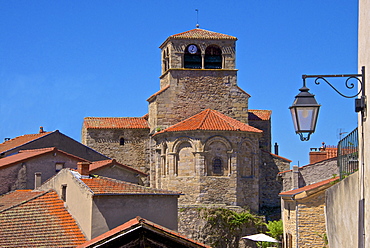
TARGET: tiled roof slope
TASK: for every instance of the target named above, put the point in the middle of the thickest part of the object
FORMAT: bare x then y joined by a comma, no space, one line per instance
20,140
199,33
308,187
211,120
40,220
24,155
133,224
259,115
116,122
108,186
102,163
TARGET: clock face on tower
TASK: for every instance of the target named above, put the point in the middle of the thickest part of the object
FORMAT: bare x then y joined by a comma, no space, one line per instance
192,49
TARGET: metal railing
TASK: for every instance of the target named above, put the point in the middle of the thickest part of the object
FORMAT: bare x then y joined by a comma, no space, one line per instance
348,154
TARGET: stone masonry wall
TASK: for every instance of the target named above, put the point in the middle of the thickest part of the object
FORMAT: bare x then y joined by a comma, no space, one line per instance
190,93
310,174
311,221
307,216
270,185
134,152
198,183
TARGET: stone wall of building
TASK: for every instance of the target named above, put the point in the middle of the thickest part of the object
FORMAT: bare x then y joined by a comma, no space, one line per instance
22,175
265,126
238,181
134,152
173,52
191,93
270,185
309,174
308,218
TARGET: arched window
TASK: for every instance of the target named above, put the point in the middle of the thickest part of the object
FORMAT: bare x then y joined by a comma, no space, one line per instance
217,166
213,57
121,141
192,57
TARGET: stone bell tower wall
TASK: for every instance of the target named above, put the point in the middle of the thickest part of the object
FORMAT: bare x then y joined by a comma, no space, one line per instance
190,91
173,52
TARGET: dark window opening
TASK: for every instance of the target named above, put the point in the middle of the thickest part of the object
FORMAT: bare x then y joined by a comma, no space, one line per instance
217,166
192,57
121,141
213,58
64,192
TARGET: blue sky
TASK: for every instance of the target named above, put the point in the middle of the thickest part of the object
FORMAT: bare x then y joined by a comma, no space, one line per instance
61,61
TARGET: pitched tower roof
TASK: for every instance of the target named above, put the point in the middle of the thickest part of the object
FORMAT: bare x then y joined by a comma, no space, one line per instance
201,34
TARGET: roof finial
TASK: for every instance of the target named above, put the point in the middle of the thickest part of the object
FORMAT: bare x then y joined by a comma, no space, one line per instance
197,25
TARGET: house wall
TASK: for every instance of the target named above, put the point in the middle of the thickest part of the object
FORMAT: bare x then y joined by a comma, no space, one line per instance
134,152
364,60
342,212
22,175
160,209
349,194
306,217
78,199
310,174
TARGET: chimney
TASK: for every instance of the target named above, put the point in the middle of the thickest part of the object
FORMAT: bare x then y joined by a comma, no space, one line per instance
276,148
83,168
6,139
41,130
37,180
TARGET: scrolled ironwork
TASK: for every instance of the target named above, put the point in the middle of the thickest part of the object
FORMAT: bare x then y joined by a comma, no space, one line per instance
348,84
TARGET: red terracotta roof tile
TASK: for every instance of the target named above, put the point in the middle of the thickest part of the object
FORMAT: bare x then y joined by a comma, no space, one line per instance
107,186
24,155
116,122
210,120
100,164
308,187
199,33
20,140
259,115
37,219
152,97
136,222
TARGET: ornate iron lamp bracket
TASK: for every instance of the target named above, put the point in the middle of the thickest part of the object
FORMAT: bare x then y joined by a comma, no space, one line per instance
360,103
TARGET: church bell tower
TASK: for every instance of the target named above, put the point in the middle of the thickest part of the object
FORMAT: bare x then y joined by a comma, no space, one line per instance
198,73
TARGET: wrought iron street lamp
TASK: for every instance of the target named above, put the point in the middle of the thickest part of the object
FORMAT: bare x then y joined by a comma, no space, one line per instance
305,108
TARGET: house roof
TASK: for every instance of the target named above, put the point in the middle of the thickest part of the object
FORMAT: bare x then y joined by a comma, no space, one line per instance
116,122
24,155
36,219
135,225
211,120
308,189
107,186
259,115
20,140
103,163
